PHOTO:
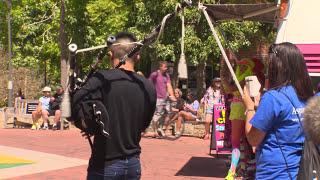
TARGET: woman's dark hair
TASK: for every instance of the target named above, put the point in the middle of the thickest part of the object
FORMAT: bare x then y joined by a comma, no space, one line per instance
287,67
318,87
213,83
191,95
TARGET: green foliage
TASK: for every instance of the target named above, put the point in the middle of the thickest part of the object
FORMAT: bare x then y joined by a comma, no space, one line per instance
35,28
199,42
3,102
106,17
3,25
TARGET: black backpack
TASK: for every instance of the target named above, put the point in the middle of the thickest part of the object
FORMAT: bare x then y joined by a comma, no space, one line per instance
93,118
310,162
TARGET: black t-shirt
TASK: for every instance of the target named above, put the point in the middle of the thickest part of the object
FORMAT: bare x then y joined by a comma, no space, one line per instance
130,100
55,105
180,104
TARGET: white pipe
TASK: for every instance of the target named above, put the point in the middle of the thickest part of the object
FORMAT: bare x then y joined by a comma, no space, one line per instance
314,74
183,32
203,8
263,11
104,46
91,48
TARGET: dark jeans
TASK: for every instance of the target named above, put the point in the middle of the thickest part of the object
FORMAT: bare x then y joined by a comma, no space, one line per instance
124,169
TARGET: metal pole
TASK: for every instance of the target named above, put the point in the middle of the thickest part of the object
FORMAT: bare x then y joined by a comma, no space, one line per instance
182,65
221,48
10,83
45,72
182,32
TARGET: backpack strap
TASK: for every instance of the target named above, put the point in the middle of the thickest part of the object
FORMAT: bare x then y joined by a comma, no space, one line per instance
294,109
285,160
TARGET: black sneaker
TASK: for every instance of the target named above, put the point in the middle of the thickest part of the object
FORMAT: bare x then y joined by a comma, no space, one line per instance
161,132
54,127
45,128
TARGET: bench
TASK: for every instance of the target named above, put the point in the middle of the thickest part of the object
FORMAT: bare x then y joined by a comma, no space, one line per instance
195,128
20,116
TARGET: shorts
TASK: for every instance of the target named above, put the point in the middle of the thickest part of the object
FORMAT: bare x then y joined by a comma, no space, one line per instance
162,107
237,111
52,112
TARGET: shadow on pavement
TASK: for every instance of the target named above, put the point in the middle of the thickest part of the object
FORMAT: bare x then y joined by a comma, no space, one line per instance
204,167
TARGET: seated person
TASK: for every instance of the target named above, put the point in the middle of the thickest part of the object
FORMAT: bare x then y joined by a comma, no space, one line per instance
55,110
42,110
176,106
19,94
189,113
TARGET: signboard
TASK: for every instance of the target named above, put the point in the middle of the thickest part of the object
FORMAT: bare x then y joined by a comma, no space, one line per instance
218,140
31,106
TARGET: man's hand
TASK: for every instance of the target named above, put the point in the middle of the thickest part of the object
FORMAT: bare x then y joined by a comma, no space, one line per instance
172,98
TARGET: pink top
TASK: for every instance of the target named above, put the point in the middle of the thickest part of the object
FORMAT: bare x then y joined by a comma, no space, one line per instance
160,81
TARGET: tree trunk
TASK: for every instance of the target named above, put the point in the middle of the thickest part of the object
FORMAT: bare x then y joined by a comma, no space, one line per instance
175,79
63,45
201,78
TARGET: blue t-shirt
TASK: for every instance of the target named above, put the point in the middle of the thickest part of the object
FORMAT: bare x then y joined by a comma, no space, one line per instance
195,105
317,94
45,102
276,114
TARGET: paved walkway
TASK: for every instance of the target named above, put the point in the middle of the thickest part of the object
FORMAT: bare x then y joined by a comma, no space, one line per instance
57,155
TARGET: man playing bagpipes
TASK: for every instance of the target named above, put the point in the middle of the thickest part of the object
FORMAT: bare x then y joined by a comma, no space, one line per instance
124,102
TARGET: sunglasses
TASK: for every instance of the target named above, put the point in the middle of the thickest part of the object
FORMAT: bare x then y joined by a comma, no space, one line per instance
272,49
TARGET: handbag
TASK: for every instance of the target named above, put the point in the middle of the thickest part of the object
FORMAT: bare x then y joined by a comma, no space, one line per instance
309,168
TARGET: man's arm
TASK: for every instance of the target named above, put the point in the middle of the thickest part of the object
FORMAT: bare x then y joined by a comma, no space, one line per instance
170,89
170,92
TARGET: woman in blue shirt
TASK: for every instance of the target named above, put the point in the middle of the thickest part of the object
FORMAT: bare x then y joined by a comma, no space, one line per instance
275,127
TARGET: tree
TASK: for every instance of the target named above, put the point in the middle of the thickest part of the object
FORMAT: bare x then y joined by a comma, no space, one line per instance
34,34
200,47
63,45
42,30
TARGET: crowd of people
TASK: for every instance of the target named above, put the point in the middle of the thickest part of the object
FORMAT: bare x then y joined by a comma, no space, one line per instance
273,123
171,107
270,124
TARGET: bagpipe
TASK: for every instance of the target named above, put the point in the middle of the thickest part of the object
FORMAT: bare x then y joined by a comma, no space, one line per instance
95,115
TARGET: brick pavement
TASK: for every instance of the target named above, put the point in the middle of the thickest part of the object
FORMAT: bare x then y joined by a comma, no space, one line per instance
185,158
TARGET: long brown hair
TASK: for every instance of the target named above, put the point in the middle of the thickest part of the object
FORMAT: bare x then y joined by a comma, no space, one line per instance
287,66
